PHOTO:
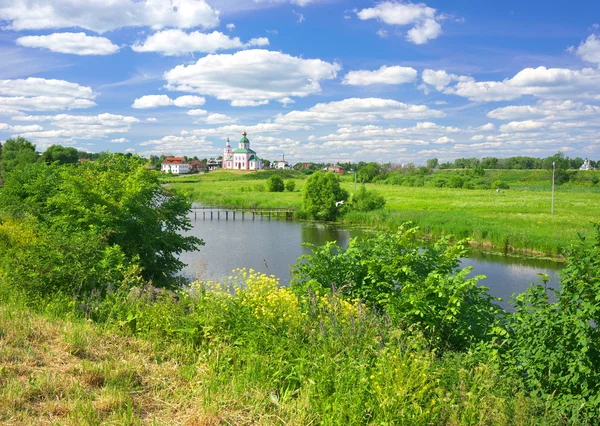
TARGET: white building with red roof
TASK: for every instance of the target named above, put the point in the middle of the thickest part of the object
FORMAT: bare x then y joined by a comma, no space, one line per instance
175,165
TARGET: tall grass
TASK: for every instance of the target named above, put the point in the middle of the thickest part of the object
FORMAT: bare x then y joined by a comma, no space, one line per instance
259,355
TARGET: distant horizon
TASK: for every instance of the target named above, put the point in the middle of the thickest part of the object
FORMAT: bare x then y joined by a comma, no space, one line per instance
326,81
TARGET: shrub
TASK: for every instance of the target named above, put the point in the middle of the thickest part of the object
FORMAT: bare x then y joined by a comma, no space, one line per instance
500,184
554,346
290,185
418,287
365,201
274,184
320,194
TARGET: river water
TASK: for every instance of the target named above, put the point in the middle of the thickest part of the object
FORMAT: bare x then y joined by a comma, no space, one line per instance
273,246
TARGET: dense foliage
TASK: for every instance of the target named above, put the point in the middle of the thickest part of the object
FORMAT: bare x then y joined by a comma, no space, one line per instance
116,202
60,154
16,154
320,194
365,200
553,343
275,184
417,287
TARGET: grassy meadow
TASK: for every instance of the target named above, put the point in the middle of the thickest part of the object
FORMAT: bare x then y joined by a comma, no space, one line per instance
514,220
260,357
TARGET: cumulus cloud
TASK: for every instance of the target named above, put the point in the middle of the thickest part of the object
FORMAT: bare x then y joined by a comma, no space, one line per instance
252,75
39,94
120,140
589,50
98,16
152,101
422,18
443,139
540,82
180,145
547,110
67,128
176,42
359,110
440,79
155,101
219,119
246,103
73,43
189,101
384,75
197,112
522,126
20,129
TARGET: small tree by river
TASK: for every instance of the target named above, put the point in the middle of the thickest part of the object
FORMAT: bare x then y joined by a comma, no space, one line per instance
321,196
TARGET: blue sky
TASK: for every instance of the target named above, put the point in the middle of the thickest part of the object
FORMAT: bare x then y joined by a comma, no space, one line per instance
316,80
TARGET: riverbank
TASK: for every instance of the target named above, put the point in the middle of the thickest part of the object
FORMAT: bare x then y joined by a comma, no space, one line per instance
280,364
516,221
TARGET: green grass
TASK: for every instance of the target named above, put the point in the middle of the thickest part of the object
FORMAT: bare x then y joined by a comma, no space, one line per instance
516,220
255,358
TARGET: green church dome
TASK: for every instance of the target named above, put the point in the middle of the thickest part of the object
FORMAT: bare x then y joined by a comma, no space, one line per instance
244,138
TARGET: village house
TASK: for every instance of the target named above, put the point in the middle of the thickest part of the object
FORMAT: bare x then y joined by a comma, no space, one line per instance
175,165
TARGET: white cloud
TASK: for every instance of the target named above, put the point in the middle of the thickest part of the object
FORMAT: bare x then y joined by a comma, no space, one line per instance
44,103
120,140
286,101
219,119
382,33
427,30
151,120
130,150
359,110
67,127
547,110
478,138
384,75
152,101
512,112
230,27
98,16
300,17
21,129
246,103
44,87
589,50
197,112
180,145
522,126
440,79
419,16
443,139
540,82
73,43
252,75
176,42
189,101
155,101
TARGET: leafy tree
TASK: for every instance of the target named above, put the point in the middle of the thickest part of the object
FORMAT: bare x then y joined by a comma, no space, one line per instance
368,172
320,194
275,184
118,198
290,185
17,153
365,201
432,163
61,154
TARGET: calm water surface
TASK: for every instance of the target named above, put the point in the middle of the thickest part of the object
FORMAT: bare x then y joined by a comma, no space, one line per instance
273,246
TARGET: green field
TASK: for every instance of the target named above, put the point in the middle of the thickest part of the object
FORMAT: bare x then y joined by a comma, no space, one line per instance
514,220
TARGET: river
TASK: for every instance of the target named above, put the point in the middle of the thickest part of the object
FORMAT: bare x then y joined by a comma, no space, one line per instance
273,246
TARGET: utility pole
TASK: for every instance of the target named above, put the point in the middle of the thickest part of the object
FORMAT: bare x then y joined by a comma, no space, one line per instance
553,168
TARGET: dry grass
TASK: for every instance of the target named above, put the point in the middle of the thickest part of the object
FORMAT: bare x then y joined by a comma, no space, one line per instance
59,372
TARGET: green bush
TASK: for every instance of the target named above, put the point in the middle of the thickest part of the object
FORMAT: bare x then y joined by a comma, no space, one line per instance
421,288
290,185
365,201
500,184
554,346
274,184
320,194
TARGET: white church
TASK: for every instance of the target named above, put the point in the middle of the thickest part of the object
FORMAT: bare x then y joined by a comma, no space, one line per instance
242,158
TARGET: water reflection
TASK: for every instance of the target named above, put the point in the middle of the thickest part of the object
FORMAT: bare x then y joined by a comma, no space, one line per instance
273,246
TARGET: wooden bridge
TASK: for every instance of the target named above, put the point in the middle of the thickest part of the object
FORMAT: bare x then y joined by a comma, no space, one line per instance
234,213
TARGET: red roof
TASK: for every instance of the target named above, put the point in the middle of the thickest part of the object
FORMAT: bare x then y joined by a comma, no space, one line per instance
173,160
